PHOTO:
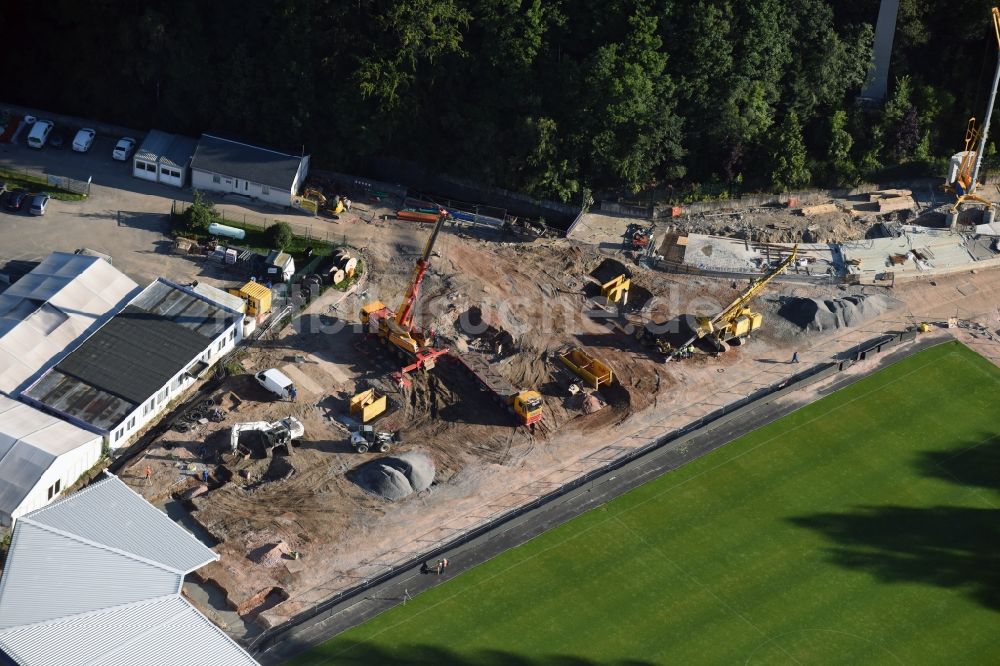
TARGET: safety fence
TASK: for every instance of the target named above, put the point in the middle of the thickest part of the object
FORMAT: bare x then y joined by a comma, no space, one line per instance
724,414
59,182
250,222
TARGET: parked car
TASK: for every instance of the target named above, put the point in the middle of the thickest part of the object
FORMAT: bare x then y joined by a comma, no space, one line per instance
277,383
38,204
84,140
39,133
123,149
16,199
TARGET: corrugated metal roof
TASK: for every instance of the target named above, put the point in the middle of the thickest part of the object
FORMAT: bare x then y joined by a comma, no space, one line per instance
113,515
77,400
166,631
220,297
185,307
84,577
179,153
95,579
154,145
46,313
241,160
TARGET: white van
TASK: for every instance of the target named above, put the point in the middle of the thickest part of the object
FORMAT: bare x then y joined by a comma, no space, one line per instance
277,383
39,133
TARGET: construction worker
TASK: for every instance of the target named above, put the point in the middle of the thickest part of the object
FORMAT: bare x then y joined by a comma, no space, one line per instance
149,475
795,357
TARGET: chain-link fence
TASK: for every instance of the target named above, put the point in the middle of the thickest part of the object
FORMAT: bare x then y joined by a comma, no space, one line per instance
59,182
251,222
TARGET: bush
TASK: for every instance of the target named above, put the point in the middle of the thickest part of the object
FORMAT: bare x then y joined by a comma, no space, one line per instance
198,215
280,235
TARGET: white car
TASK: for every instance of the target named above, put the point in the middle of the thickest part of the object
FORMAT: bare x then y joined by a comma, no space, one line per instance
123,149
83,140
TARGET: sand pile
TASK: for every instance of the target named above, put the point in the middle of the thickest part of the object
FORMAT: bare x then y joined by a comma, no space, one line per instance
395,477
826,314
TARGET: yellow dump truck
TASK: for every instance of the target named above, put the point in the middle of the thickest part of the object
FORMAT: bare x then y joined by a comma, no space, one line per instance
593,371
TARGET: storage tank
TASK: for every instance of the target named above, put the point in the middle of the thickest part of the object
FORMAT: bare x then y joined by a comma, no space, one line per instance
217,229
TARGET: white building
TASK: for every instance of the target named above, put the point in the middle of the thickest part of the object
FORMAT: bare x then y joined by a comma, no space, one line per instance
125,374
164,158
40,456
96,578
222,165
51,310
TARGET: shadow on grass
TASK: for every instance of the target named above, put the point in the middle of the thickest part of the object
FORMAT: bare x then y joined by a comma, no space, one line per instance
364,654
954,547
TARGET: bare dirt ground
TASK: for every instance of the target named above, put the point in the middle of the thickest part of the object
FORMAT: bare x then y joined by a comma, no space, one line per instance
518,304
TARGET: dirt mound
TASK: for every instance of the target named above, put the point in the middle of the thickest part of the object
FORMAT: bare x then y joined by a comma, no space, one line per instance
396,477
819,314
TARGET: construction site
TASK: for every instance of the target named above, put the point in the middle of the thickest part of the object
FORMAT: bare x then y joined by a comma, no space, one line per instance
470,370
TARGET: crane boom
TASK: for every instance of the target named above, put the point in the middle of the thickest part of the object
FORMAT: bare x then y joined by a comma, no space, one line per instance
404,313
989,107
755,289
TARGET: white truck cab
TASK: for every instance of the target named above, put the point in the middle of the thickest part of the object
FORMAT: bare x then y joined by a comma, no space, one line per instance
277,383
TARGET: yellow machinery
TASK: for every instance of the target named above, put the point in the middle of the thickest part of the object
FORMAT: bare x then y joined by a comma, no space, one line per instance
366,405
525,405
735,324
963,177
395,328
616,290
256,296
592,370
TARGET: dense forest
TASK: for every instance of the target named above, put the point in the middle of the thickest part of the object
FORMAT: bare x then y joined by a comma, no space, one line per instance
556,98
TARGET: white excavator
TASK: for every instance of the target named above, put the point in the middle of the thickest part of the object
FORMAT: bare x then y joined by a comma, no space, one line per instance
274,433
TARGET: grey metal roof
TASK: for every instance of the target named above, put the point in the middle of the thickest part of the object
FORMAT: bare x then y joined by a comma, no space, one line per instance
220,297
30,441
154,145
51,309
165,631
95,579
179,153
241,160
186,308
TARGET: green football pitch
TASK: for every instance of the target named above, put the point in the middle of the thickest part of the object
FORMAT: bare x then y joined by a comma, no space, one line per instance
863,528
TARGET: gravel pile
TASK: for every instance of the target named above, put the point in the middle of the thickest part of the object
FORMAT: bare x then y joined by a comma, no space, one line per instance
396,477
827,314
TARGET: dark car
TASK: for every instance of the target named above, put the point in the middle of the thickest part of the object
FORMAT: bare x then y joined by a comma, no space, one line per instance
16,199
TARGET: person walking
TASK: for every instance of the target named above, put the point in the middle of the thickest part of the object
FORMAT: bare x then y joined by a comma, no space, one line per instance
795,357
440,567
444,564
149,475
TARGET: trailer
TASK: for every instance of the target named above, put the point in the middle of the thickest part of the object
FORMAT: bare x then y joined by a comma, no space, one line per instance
590,369
525,405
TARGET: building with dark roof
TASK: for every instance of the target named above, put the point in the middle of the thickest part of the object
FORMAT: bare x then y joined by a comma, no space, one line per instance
164,158
125,374
224,165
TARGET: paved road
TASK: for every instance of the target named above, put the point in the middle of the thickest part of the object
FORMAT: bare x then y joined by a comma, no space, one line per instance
518,531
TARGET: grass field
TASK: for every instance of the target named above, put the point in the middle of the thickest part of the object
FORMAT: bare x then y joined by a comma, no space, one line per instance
864,528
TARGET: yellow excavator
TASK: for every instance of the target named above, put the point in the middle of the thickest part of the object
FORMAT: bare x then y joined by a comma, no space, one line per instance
736,322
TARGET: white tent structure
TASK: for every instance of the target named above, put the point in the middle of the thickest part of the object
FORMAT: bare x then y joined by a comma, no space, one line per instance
51,310
96,578
40,456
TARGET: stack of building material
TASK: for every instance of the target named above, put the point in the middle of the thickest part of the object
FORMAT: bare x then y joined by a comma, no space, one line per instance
892,204
821,209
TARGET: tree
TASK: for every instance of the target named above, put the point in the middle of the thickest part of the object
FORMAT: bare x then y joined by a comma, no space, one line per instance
789,156
839,150
280,235
198,215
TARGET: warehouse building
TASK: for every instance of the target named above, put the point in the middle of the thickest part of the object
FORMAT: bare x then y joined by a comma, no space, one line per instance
125,374
40,456
96,578
51,310
223,165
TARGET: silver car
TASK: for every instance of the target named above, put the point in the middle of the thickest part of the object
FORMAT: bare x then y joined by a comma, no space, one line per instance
39,202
